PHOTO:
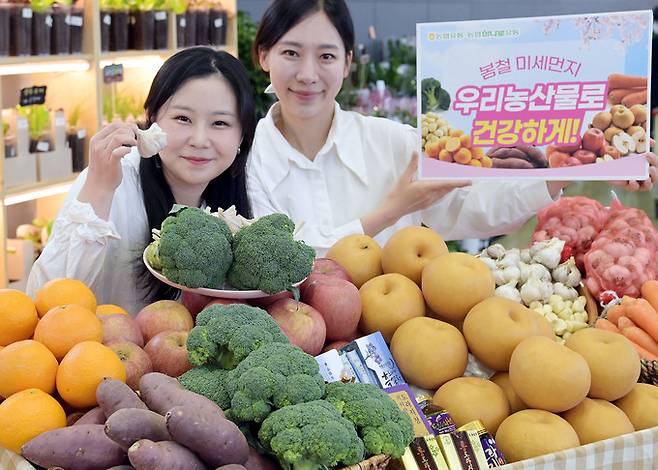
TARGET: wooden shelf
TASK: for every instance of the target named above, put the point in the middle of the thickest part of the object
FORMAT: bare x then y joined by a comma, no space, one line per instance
43,59
40,186
128,54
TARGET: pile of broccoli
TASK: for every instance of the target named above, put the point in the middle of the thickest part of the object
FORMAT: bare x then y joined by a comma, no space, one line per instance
224,335
267,257
193,249
274,391
311,436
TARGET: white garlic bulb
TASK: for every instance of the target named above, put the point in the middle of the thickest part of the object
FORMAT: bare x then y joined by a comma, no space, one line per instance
151,141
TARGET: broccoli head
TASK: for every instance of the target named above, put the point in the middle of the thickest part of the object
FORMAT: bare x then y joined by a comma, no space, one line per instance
271,377
226,334
310,436
433,97
208,381
384,428
195,248
267,257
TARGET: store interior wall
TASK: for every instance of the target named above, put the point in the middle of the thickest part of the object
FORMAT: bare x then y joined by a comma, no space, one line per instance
394,19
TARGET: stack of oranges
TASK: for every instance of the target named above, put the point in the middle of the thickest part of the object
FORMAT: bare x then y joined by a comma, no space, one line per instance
51,358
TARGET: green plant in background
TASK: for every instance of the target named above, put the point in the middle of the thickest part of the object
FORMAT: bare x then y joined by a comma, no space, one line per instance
178,7
114,5
74,116
5,128
38,119
258,79
124,107
40,6
142,5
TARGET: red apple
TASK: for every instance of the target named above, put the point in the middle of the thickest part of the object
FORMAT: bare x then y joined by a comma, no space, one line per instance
339,303
593,139
119,327
168,353
163,315
302,324
134,358
324,267
341,343
264,302
194,302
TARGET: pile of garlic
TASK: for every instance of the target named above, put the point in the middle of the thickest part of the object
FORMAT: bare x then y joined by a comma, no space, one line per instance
535,277
565,316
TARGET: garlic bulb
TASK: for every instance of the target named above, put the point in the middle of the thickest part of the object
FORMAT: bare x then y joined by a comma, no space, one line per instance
511,275
499,276
536,289
151,141
496,250
566,292
548,252
509,292
567,273
511,258
534,270
525,256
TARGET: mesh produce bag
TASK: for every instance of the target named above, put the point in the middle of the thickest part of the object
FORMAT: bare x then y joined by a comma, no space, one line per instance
623,255
576,220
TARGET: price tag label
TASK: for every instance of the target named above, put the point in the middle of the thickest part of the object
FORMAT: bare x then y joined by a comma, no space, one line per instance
113,73
49,21
32,95
21,123
219,22
82,133
107,19
182,22
160,15
43,146
26,13
60,121
78,20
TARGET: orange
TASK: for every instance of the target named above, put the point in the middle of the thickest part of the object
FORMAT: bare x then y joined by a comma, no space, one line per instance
110,309
18,316
63,327
26,364
27,414
62,292
83,368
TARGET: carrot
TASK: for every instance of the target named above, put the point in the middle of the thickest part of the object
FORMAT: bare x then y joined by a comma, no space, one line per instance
649,291
607,325
615,96
639,97
618,80
615,312
641,338
644,354
625,322
644,316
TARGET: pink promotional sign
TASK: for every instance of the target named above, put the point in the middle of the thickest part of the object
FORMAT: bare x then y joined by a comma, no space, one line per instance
553,98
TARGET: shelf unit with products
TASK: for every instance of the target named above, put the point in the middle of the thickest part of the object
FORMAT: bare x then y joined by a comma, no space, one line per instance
34,179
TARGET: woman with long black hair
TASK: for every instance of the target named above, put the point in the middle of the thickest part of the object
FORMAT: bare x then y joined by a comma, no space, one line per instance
202,100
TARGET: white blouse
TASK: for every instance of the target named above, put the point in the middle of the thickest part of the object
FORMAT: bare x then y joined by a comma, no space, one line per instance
355,170
101,253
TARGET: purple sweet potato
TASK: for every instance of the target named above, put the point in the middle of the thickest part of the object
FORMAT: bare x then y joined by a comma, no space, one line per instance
94,416
231,466
83,447
165,455
113,395
514,163
122,467
212,437
535,155
161,393
507,152
129,425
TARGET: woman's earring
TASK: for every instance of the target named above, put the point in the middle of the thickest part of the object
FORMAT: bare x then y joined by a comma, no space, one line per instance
238,150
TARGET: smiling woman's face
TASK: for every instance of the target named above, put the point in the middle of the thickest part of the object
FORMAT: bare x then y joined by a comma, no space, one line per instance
203,132
307,66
